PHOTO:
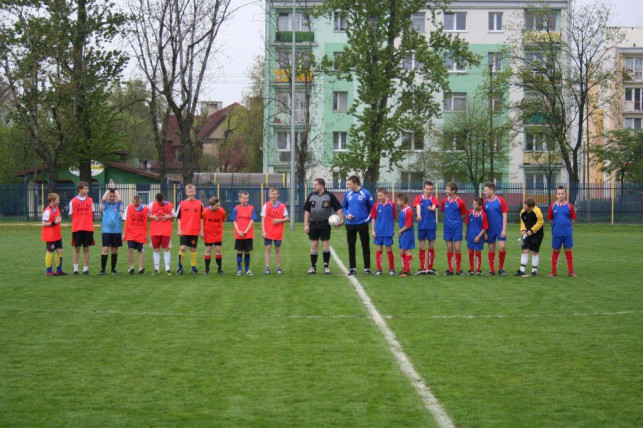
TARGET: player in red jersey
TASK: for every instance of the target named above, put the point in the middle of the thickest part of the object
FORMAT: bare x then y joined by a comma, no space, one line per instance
81,210
213,218
52,236
189,212
136,234
161,216
243,217
274,214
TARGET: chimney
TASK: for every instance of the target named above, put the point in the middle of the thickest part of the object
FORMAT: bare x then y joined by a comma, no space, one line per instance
209,107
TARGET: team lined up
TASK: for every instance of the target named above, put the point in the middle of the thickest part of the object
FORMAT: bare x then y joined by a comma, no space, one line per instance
486,222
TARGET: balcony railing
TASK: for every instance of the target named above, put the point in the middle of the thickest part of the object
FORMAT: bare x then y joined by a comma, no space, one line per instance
540,158
300,36
632,106
283,76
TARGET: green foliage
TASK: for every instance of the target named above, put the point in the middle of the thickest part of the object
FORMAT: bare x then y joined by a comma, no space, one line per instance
622,155
15,153
391,98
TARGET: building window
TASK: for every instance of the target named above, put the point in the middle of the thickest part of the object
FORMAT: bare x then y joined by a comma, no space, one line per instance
495,61
634,68
339,141
340,101
284,22
341,22
455,21
411,142
535,180
495,21
633,99
536,141
497,104
455,102
339,181
337,56
536,21
409,178
536,64
418,20
283,105
452,66
283,141
633,122
459,144
411,63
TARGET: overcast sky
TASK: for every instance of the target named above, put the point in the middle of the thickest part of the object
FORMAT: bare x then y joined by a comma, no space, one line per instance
242,40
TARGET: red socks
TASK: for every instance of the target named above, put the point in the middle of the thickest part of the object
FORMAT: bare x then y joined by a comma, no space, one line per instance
423,259
554,260
391,260
431,257
406,262
458,261
450,260
501,259
570,261
378,259
492,261
471,267
478,261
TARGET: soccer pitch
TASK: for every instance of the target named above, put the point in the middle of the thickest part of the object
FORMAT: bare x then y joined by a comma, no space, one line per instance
301,350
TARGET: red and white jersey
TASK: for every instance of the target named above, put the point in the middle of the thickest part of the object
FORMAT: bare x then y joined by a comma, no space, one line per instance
81,209
161,227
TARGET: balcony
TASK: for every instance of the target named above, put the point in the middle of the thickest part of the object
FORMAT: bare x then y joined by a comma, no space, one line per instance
300,36
283,76
632,107
540,158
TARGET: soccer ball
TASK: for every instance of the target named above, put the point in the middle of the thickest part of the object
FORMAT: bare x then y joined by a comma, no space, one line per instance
334,220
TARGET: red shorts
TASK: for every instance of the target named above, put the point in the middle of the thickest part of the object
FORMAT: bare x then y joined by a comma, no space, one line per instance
161,241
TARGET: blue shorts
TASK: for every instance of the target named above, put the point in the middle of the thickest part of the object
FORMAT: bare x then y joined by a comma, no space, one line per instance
406,241
452,234
275,242
383,240
476,246
562,241
493,235
426,234
138,246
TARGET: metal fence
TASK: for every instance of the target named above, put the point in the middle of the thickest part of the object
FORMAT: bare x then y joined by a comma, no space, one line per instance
594,203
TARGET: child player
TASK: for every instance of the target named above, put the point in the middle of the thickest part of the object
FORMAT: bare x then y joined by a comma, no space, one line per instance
81,210
455,212
52,236
136,235
274,214
562,216
112,207
243,217
161,215
383,217
496,210
189,212
531,228
426,206
406,234
213,218
477,225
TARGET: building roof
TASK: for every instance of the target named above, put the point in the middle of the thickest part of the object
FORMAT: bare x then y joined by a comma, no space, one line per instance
211,123
117,165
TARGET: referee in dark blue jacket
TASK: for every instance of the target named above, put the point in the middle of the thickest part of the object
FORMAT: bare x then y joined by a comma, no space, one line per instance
357,205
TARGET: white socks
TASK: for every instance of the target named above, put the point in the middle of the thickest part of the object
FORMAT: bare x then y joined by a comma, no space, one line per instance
157,259
166,259
523,261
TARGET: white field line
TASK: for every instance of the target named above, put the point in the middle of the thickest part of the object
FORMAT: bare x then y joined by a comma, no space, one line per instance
429,400
307,316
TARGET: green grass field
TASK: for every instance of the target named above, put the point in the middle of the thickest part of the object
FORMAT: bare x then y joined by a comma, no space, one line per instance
301,350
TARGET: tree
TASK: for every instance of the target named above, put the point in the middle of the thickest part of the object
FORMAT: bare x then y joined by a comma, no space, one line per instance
174,42
15,152
398,74
562,67
253,98
622,155
58,75
543,152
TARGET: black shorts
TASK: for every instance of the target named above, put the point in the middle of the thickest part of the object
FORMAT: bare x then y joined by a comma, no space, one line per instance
133,245
189,240
244,245
532,243
55,245
209,244
113,240
82,238
319,230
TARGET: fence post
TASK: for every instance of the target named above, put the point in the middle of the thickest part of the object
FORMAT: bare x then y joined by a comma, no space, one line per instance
524,191
174,194
393,191
612,198
262,197
218,192
42,193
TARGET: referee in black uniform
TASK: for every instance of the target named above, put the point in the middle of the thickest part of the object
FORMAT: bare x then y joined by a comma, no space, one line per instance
320,205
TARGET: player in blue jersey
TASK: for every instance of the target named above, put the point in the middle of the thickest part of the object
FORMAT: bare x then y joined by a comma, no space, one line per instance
426,209
111,230
477,226
406,239
562,216
383,217
455,212
357,205
496,210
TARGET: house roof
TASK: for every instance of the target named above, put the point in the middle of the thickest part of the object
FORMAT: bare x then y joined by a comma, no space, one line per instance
211,123
117,165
